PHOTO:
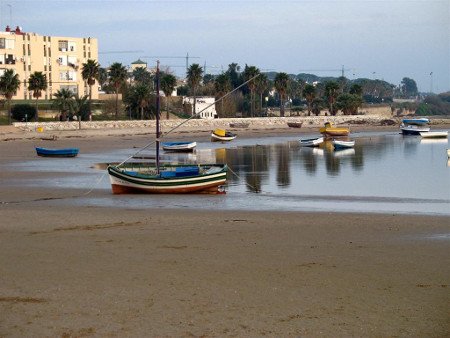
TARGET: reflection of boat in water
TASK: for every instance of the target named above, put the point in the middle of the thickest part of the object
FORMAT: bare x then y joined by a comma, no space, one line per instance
330,130
318,151
344,152
340,144
179,146
434,134
311,142
432,140
222,135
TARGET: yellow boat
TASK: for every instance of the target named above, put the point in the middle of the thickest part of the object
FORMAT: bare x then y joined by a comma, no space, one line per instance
330,130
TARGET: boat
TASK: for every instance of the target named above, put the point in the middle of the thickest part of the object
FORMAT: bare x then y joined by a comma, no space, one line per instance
295,124
63,152
149,178
311,142
448,153
340,144
179,146
222,135
410,129
434,134
416,121
239,125
330,130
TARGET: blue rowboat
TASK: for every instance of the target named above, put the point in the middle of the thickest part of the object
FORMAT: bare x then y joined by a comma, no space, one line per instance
64,152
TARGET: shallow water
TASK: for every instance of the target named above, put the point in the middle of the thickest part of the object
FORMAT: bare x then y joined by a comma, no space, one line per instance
385,172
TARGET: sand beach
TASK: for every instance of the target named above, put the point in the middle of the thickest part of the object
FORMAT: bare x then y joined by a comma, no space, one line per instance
112,271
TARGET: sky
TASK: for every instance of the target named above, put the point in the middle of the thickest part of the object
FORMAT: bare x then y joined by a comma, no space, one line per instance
386,40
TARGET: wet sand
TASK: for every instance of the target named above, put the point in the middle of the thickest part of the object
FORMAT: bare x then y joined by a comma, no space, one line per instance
93,271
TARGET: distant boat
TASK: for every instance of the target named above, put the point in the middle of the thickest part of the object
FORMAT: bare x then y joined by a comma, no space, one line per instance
295,124
339,144
330,130
63,152
311,142
179,146
434,134
411,129
222,135
448,153
239,125
416,121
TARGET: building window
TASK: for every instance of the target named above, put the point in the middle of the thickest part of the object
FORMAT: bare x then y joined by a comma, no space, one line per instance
45,51
2,59
10,60
9,43
63,45
2,43
72,46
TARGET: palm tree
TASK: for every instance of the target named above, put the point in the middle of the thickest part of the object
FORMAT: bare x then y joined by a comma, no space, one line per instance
251,72
262,84
9,84
117,77
37,83
168,84
281,85
309,92
63,100
331,92
141,96
194,76
222,84
78,108
90,73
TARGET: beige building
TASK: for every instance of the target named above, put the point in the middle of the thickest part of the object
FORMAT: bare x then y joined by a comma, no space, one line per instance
59,58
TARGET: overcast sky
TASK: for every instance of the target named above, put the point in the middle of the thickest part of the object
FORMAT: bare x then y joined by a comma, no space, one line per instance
374,39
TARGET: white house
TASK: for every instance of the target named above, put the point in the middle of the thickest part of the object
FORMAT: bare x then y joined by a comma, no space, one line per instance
203,104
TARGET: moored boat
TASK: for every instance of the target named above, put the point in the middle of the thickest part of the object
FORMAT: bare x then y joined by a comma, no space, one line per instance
63,152
340,144
416,121
179,146
411,129
311,142
295,124
222,135
239,124
169,179
434,134
330,130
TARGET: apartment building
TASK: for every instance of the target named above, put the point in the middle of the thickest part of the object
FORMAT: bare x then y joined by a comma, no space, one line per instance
59,58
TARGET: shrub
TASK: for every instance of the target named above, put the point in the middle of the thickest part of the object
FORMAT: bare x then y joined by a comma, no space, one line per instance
19,111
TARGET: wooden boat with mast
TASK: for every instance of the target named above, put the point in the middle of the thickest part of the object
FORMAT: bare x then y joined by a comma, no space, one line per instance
131,177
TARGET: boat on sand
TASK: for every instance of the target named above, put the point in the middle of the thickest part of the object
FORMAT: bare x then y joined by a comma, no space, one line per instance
62,152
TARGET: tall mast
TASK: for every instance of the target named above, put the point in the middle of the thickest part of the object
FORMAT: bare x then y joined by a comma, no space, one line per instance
157,116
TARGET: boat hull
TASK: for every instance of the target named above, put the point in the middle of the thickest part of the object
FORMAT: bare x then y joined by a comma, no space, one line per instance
295,124
416,122
338,145
179,146
434,134
413,130
66,152
312,142
124,181
217,138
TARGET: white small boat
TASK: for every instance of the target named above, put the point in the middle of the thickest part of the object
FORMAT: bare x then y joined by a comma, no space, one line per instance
434,134
448,153
179,146
413,129
311,142
339,144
